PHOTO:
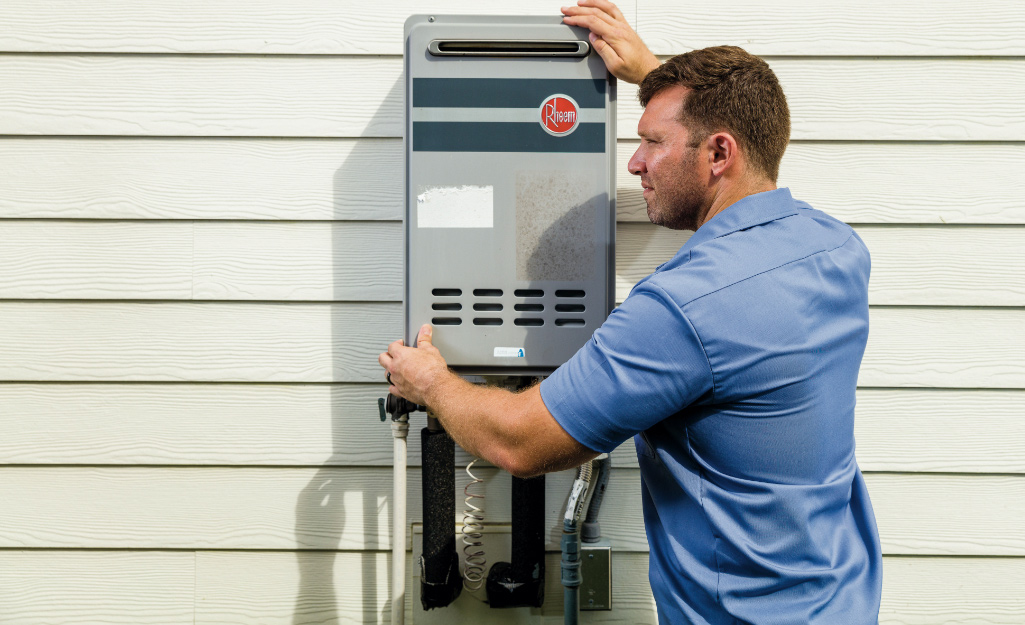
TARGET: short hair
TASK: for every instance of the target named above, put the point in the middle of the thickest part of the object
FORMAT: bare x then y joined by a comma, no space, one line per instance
732,91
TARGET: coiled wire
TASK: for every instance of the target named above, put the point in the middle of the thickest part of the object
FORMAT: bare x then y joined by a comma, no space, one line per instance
474,560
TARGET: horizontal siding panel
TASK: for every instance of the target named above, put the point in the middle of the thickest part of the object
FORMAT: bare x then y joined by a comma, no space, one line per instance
349,508
195,341
242,586
196,424
298,262
308,588
892,183
96,260
337,425
362,261
862,27
940,430
927,591
830,99
316,179
69,587
200,96
953,348
276,342
265,27
926,514
869,100
294,588
920,266
865,27
181,178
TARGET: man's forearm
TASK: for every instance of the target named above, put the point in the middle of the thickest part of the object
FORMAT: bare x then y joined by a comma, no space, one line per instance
514,431
482,420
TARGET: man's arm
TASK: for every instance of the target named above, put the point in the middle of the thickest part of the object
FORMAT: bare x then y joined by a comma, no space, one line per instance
514,431
619,46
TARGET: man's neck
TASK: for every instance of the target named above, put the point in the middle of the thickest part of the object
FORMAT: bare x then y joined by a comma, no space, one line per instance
726,195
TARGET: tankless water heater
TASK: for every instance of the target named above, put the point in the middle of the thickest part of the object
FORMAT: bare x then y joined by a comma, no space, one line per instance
510,192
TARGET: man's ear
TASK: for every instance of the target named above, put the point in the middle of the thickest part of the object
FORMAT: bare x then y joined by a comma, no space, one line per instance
723,152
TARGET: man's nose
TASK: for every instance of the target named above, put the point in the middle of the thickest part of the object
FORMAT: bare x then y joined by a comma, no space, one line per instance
636,164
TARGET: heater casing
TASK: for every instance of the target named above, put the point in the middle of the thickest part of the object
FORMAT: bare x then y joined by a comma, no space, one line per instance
509,225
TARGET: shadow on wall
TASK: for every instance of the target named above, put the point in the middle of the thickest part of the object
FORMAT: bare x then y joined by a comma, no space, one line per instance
337,504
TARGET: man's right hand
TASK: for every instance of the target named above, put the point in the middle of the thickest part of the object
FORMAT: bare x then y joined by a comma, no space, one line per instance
619,46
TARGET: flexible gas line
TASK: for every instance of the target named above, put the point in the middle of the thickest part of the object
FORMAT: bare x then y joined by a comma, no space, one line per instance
571,543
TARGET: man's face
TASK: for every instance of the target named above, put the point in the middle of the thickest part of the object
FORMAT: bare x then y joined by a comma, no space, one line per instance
675,187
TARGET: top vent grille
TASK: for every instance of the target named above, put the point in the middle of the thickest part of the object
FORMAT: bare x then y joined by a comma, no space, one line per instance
507,47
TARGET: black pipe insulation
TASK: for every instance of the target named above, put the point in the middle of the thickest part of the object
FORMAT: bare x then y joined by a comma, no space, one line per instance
522,582
439,565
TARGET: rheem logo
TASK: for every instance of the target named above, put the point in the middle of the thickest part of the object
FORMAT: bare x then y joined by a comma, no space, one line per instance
559,115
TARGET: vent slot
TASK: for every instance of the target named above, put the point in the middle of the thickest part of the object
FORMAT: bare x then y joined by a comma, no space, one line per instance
569,293
487,321
528,307
529,321
487,307
446,321
487,292
569,322
446,306
529,293
569,308
507,47
447,292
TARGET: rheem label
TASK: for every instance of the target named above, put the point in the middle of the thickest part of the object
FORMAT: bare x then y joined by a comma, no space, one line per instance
560,115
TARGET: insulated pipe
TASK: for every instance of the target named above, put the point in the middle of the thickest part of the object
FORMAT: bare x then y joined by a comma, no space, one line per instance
399,430
570,572
521,582
528,530
440,582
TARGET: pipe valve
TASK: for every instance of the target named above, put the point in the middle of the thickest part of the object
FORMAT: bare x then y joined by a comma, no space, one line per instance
398,407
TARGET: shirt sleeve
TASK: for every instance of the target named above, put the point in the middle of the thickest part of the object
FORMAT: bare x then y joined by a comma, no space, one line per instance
642,365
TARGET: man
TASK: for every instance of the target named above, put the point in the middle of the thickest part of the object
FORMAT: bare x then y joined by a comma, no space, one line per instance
734,365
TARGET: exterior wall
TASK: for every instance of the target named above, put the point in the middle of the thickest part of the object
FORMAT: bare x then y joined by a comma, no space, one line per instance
200,239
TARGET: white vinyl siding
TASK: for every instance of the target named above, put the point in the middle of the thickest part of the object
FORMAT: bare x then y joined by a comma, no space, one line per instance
200,259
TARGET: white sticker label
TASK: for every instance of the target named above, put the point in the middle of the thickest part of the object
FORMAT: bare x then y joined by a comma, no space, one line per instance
509,352
456,207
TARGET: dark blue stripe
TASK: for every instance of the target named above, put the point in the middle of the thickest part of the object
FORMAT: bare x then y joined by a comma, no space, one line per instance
503,137
504,92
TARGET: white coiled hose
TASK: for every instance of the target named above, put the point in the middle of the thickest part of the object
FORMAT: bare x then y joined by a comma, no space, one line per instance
474,560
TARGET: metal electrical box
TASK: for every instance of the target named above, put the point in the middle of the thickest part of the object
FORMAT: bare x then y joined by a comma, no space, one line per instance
510,146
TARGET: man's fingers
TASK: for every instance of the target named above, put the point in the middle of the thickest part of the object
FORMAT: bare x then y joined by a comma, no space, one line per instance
595,21
604,5
606,52
423,338
588,11
393,348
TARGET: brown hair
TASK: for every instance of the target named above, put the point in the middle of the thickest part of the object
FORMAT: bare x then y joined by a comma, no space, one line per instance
731,91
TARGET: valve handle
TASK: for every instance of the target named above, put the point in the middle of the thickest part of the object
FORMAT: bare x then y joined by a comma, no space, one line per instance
397,407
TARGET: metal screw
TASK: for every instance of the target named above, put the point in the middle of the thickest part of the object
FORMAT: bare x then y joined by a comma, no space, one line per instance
430,19
590,556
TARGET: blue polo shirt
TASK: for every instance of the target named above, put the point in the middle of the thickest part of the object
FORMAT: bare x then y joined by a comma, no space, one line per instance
734,366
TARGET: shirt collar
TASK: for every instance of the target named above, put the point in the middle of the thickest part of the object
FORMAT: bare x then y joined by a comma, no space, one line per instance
748,212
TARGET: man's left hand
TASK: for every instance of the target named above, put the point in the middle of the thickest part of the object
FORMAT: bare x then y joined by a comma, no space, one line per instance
413,372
